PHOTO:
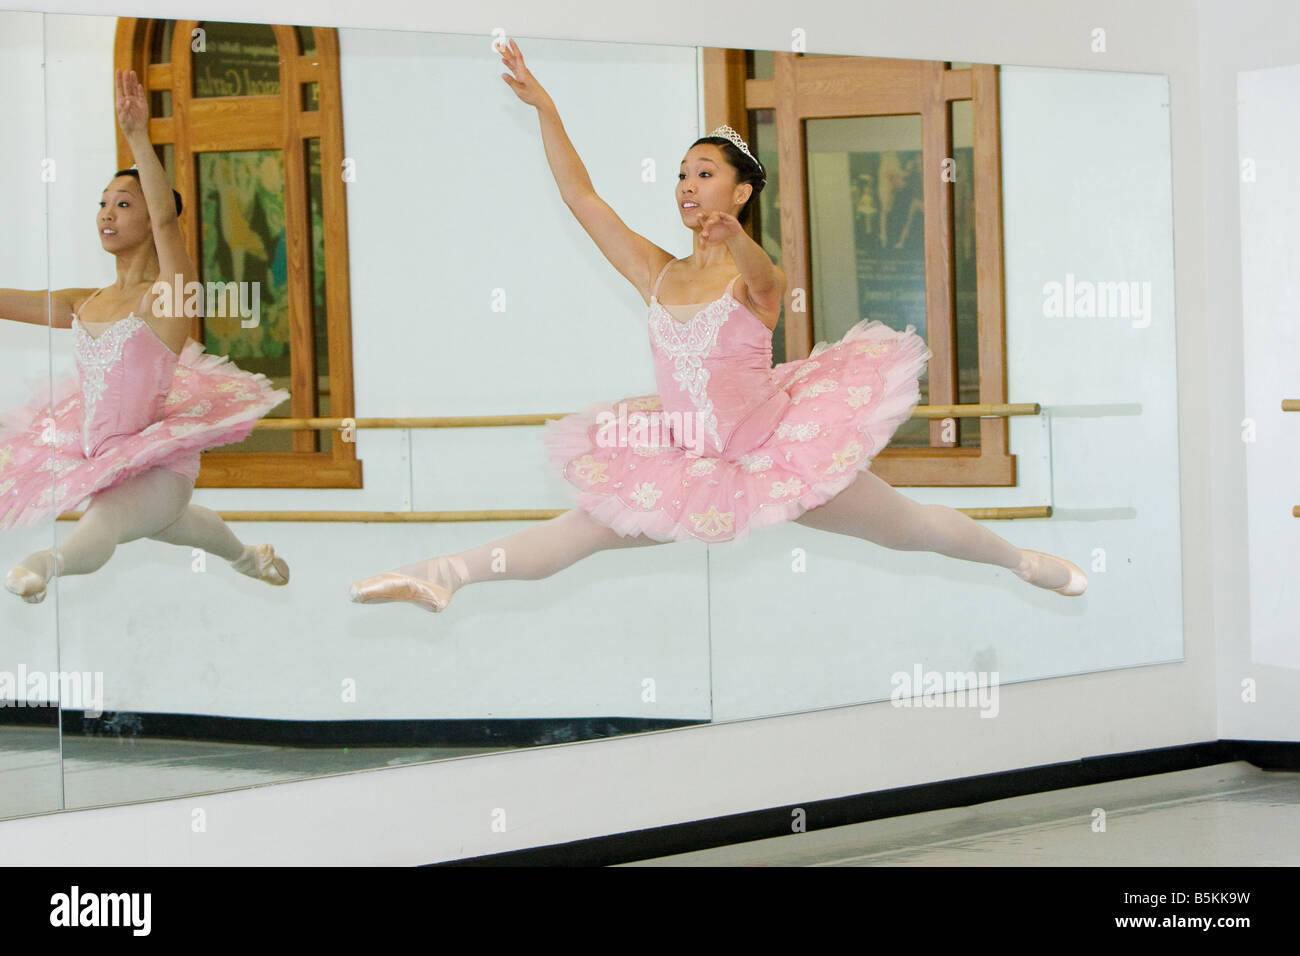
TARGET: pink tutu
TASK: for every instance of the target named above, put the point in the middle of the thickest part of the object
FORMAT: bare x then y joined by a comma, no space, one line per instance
768,443
181,405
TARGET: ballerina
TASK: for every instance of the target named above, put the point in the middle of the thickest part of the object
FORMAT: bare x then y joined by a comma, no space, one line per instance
127,432
745,445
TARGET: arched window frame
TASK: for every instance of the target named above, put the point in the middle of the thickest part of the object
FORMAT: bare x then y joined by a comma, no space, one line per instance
268,122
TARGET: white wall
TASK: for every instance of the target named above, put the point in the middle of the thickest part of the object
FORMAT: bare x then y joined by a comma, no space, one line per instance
581,790
1249,56
1270,235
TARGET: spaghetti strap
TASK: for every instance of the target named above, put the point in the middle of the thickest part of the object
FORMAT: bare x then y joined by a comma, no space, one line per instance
731,283
655,291
77,312
143,299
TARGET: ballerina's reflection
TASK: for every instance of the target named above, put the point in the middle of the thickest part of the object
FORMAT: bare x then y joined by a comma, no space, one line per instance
128,430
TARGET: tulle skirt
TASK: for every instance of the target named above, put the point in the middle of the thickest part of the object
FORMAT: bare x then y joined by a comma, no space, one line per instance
846,401
44,470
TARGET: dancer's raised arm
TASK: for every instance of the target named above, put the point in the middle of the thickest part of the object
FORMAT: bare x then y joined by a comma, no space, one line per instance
133,117
633,255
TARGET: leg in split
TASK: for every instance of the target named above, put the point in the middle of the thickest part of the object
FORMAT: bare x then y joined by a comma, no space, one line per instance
870,509
131,509
199,527
154,504
528,555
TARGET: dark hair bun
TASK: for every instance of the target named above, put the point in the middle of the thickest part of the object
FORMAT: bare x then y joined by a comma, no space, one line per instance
135,174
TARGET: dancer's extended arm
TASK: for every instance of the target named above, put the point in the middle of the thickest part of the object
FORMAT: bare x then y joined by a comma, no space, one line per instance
628,252
41,307
173,258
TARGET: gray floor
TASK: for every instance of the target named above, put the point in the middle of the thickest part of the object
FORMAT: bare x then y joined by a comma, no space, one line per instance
1226,815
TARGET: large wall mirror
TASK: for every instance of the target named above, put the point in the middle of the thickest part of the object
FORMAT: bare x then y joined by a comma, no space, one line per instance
29,652
1269,201
389,197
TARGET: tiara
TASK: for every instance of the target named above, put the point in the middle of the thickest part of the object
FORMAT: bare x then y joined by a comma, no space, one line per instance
727,132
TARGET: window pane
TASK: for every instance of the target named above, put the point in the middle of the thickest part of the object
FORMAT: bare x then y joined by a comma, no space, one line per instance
160,104
306,39
762,140
160,49
959,66
760,64
867,227
167,156
319,326
310,97
242,240
239,59
963,224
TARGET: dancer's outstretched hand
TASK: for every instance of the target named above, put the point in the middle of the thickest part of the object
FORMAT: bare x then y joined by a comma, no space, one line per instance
523,83
132,105
718,226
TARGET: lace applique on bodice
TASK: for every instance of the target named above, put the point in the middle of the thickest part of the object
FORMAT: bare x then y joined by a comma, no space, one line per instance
115,402
723,368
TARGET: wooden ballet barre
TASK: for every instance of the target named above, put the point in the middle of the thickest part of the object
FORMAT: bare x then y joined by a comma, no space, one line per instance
1291,404
455,421
1295,512
492,421
977,411
404,517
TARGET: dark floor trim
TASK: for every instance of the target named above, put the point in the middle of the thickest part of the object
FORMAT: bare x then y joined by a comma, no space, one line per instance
340,733
861,808
28,715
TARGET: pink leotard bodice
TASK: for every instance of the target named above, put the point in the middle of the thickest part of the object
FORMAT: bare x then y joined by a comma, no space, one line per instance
713,362
126,372
133,406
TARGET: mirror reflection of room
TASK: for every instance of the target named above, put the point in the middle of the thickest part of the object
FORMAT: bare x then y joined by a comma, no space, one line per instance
30,768
364,352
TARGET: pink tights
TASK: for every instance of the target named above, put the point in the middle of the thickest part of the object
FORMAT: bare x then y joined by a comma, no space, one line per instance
155,504
869,509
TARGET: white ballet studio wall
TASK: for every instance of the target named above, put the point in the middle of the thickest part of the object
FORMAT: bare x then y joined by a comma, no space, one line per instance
1250,64
1270,235
452,201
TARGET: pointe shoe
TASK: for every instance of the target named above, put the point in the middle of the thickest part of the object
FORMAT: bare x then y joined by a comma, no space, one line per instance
391,586
27,584
1031,569
260,561
396,586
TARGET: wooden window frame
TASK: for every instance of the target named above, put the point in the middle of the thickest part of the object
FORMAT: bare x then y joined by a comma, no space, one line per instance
268,122
843,86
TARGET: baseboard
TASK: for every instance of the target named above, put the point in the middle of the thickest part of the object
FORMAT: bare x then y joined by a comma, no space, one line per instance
861,808
13,714
504,732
